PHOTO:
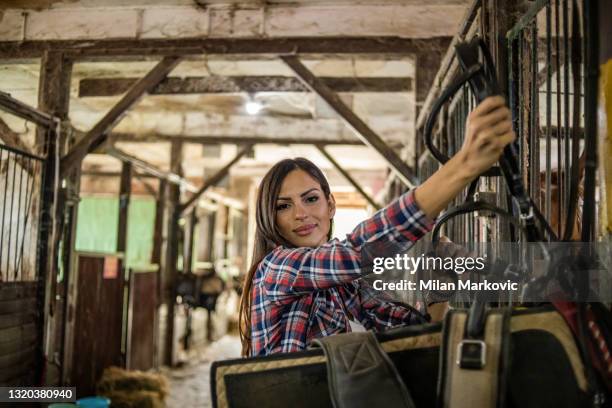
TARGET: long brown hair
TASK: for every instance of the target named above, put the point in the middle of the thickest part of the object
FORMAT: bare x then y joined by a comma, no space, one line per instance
267,235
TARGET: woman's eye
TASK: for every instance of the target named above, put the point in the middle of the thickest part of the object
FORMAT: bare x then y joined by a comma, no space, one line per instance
312,199
281,207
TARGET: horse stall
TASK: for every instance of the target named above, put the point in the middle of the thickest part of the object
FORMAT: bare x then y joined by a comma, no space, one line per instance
21,293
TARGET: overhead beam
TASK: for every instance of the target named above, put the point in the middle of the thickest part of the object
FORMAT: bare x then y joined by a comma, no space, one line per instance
348,177
98,134
158,138
251,84
149,168
361,129
215,178
241,47
25,111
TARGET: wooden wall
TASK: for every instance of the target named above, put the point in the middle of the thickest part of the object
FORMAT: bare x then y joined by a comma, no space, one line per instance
20,330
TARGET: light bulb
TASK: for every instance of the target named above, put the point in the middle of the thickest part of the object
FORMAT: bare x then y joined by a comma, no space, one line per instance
253,108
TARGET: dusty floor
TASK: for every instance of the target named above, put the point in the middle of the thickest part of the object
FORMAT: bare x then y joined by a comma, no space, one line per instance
190,384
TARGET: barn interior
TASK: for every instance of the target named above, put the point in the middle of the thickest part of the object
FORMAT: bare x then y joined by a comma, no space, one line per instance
134,135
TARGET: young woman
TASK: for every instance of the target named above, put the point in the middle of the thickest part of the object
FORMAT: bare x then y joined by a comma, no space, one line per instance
303,285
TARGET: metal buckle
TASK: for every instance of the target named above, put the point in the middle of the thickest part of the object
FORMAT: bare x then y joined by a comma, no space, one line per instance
471,354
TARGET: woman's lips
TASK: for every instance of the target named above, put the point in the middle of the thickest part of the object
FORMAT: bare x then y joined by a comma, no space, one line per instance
305,230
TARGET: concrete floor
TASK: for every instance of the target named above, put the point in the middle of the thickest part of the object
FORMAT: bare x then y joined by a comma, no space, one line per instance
190,384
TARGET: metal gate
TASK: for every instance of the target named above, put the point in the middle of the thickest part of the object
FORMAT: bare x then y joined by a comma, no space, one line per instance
21,302
550,84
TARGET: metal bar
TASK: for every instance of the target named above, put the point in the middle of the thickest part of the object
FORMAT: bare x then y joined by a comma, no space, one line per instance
559,125
591,73
268,47
403,171
563,174
16,258
7,161
21,152
250,84
215,178
28,205
534,112
347,176
10,230
549,72
526,19
24,111
98,134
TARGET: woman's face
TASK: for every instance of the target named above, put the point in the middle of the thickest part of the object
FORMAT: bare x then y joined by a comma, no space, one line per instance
303,214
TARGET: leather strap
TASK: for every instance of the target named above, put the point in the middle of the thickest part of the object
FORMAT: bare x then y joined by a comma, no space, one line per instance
473,370
360,374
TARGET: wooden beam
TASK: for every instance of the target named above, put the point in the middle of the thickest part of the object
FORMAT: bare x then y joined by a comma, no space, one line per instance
170,271
250,84
427,65
188,240
244,48
156,252
361,129
125,190
25,111
348,177
150,189
98,135
54,99
215,178
159,138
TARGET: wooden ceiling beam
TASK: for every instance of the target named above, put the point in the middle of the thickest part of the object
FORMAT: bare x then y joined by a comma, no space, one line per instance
109,50
98,134
250,84
361,129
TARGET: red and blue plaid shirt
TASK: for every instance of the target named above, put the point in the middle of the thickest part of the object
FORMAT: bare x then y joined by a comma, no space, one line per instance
300,294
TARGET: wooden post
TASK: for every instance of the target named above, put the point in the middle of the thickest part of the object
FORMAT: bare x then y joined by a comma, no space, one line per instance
53,98
125,189
171,258
189,236
98,134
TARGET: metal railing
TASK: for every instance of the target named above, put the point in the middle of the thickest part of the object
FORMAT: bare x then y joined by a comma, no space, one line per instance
20,186
546,51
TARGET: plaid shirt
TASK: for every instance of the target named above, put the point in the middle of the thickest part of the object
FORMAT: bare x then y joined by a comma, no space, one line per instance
300,294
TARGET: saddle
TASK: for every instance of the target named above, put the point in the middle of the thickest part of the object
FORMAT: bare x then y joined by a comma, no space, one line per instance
524,358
